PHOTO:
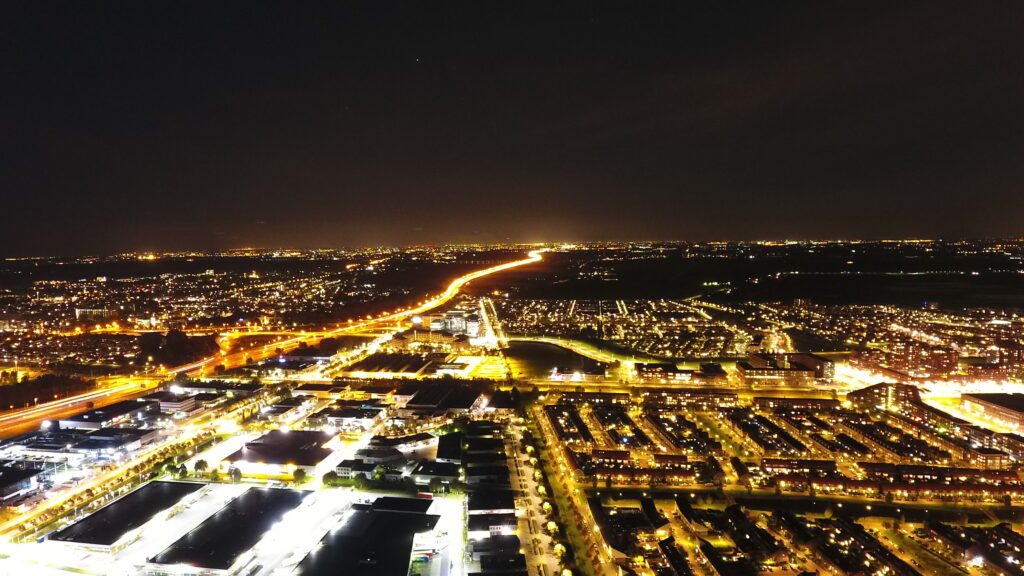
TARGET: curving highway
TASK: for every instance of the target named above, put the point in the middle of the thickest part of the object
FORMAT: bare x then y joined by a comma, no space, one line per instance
229,360
115,389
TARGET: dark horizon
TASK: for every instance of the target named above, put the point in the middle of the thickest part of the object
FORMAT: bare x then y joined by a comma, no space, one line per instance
510,244
157,127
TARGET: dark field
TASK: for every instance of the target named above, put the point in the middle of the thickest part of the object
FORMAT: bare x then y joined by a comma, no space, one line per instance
835,274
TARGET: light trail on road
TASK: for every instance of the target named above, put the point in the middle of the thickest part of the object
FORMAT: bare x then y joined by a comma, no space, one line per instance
450,292
19,420
120,388
130,385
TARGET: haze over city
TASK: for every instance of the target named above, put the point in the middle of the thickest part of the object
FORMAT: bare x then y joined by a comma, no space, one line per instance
169,126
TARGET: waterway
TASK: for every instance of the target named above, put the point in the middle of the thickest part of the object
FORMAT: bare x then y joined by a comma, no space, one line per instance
531,360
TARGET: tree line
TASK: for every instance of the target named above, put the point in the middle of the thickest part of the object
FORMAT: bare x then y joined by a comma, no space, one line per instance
41,389
175,348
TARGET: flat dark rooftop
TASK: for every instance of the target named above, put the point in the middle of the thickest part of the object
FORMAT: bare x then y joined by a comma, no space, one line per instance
502,563
370,543
385,362
165,396
429,396
460,399
400,440
484,458
485,521
222,538
10,475
485,445
431,468
367,403
449,446
498,544
107,525
486,469
207,397
378,390
482,429
54,439
493,499
113,411
106,443
299,447
1013,402
125,433
398,504
316,387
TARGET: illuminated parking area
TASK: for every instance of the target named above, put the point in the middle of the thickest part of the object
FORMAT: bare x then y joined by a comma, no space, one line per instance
288,541
449,539
35,567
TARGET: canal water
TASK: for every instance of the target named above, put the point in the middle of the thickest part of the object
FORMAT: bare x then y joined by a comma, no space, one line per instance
533,360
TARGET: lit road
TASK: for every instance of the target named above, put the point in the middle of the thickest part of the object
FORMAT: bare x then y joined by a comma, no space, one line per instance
116,389
126,387
453,289
109,391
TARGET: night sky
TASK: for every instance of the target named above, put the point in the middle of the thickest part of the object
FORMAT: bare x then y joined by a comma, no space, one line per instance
193,125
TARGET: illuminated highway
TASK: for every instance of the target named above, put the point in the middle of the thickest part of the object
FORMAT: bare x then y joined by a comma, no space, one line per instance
109,391
238,358
117,389
122,388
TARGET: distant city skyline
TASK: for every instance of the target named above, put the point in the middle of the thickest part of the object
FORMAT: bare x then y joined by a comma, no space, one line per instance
150,254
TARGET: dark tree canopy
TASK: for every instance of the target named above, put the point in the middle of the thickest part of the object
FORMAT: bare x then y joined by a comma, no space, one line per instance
176,347
42,388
